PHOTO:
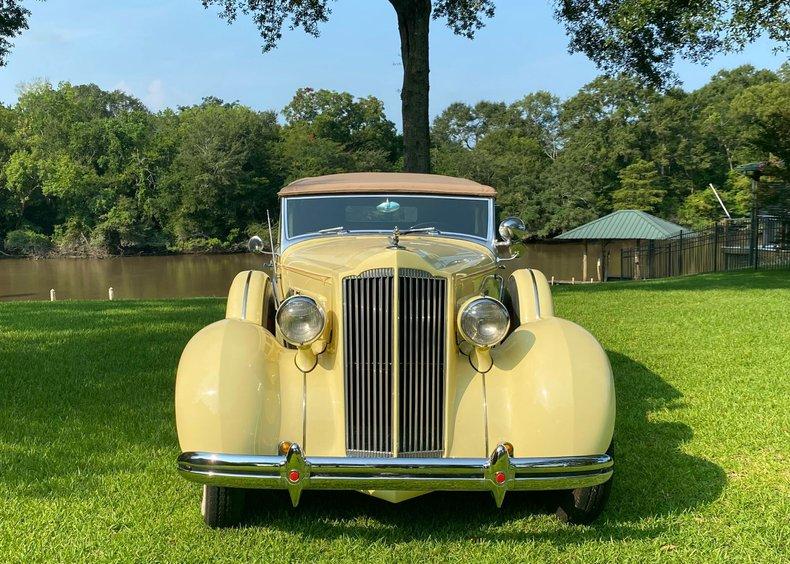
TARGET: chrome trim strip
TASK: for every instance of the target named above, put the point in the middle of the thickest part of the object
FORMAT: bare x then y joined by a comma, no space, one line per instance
415,474
535,293
304,408
485,409
244,296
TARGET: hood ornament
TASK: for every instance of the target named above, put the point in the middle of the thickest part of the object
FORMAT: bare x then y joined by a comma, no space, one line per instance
395,239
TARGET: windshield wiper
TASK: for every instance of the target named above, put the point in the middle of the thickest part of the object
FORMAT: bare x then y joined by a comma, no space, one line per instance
421,230
339,229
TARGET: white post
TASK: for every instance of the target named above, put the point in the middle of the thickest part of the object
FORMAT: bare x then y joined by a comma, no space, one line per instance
111,293
573,280
552,281
52,295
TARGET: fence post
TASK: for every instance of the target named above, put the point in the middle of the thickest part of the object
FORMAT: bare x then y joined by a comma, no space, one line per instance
680,254
755,226
650,250
715,246
622,262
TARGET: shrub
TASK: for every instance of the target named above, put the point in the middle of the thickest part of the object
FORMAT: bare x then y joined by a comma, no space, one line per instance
27,242
202,245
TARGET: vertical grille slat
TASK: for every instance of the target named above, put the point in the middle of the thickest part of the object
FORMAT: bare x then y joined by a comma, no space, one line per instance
370,326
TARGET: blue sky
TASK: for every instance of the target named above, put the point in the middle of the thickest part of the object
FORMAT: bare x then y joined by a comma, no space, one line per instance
173,52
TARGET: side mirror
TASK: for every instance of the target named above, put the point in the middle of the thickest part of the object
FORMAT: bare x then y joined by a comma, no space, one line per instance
510,229
255,244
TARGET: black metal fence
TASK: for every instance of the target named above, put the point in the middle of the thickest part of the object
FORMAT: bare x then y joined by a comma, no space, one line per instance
729,245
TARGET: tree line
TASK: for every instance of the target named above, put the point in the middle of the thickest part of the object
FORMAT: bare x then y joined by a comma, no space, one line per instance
87,172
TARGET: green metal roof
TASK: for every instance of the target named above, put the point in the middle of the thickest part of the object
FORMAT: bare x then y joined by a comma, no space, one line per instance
625,224
752,169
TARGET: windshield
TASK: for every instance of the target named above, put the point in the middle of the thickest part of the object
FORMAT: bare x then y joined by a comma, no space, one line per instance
383,213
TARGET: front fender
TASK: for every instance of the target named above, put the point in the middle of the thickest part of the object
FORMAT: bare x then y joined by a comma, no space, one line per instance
228,390
550,391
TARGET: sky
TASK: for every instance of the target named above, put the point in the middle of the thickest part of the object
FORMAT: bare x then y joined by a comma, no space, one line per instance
174,52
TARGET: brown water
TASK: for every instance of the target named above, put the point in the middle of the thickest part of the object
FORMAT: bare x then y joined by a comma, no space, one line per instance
130,277
211,275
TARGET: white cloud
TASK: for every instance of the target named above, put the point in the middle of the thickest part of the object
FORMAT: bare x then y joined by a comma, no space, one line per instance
155,97
123,86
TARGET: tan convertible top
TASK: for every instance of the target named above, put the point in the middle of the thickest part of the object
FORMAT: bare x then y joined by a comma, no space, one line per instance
389,182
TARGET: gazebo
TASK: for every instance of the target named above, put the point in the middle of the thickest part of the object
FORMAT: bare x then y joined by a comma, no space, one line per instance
622,225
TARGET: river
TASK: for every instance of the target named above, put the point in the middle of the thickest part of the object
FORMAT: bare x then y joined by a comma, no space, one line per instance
130,277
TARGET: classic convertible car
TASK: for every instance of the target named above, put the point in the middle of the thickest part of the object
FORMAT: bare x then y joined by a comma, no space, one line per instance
385,352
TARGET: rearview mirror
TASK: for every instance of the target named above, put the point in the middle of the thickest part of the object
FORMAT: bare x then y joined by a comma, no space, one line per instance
255,244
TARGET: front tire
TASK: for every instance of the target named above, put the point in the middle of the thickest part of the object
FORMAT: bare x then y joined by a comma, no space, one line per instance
222,507
582,506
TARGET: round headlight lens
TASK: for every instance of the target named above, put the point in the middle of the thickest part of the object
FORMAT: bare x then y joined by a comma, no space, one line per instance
300,320
484,322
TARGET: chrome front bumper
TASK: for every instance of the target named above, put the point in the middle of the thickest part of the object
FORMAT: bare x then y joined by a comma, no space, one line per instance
294,472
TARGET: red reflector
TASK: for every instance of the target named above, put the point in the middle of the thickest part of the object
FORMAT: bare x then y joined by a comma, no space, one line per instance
293,475
499,477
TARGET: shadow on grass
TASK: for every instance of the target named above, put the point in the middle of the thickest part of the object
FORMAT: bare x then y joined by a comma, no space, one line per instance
653,478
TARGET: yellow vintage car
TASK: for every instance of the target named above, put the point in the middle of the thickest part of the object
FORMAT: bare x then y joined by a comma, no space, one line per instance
385,351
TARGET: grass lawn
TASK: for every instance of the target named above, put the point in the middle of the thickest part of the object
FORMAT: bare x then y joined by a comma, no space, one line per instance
702,365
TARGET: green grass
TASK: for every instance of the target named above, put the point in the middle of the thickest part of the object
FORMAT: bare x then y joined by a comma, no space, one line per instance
87,442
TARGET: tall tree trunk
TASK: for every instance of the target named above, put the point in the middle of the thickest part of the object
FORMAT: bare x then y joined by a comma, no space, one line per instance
414,18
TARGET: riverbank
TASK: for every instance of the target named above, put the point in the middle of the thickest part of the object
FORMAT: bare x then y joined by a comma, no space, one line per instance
88,441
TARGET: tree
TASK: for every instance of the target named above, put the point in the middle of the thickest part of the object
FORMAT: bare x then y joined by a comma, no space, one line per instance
644,37
640,188
223,176
464,17
765,110
328,132
13,20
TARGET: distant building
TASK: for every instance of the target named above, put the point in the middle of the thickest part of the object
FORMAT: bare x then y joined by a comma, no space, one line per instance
624,228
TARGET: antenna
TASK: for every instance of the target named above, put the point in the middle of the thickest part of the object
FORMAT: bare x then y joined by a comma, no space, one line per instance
720,202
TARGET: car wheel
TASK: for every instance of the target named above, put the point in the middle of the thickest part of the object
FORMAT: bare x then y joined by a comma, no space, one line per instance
222,507
582,506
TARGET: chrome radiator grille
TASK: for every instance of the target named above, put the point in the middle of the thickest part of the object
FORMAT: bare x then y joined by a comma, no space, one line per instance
368,321
367,338
421,325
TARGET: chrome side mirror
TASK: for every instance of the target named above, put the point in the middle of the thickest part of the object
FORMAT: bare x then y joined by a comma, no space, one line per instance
255,244
511,228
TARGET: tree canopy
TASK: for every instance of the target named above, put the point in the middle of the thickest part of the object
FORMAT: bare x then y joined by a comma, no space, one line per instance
84,171
13,20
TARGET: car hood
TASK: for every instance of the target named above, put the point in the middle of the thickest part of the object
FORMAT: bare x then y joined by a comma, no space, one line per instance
343,255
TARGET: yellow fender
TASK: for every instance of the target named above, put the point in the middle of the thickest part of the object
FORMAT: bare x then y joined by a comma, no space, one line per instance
251,298
550,391
530,296
228,381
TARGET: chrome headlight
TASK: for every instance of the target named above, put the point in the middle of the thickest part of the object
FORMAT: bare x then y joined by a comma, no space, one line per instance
301,320
484,321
